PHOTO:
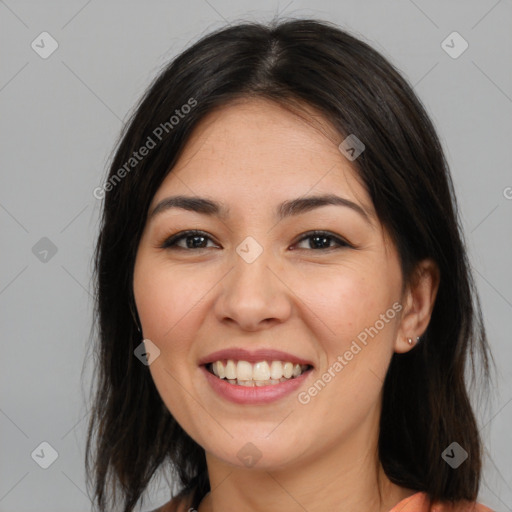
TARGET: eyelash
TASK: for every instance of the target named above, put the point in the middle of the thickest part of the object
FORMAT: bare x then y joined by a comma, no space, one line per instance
170,243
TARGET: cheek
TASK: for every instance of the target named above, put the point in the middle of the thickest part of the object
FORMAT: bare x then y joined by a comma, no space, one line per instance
165,299
352,317
356,346
343,301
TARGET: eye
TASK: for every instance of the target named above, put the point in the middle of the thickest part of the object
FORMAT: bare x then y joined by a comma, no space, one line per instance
320,239
195,239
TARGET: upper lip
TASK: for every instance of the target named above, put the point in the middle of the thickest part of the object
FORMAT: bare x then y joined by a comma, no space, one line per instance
253,356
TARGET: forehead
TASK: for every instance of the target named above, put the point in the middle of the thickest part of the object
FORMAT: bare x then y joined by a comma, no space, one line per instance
249,126
258,149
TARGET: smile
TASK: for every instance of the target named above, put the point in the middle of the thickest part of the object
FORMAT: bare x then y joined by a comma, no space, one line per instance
261,373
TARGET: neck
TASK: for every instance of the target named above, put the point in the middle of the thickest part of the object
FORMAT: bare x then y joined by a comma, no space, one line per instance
343,478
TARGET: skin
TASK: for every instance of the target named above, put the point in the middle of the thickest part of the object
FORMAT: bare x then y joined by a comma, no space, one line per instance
252,155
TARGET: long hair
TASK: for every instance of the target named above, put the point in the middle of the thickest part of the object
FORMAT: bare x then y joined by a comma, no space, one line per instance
426,404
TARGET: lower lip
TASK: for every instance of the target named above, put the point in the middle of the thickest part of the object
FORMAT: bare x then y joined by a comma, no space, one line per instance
256,394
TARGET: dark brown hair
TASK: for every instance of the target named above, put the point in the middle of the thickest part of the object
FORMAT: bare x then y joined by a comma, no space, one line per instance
426,404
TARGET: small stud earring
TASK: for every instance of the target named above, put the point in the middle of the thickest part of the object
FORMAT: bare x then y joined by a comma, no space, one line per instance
411,341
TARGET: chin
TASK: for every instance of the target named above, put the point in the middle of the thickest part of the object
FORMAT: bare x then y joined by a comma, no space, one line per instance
258,453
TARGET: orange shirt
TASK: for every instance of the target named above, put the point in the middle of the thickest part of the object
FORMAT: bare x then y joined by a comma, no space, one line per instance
419,503
415,503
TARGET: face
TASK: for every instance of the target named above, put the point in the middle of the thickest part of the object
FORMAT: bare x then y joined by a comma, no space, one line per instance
256,278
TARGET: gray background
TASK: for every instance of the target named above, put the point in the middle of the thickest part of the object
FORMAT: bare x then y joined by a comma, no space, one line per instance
60,118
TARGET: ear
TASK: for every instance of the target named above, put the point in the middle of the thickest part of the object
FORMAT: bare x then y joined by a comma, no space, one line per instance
418,299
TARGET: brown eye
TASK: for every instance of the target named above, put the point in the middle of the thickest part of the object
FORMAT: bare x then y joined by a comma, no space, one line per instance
193,240
322,239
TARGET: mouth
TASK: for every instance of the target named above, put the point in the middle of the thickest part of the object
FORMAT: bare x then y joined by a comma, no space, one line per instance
258,374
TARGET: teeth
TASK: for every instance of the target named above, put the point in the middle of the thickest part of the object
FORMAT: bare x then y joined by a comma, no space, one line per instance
243,370
230,369
261,373
218,369
276,370
287,370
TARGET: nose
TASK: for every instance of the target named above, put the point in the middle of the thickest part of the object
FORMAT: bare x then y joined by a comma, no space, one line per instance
253,295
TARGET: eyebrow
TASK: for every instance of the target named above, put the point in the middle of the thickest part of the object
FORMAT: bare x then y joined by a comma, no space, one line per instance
286,209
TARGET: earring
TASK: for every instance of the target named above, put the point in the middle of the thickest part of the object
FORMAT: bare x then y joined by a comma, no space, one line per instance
410,340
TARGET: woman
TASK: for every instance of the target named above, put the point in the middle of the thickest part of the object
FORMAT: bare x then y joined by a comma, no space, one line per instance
284,300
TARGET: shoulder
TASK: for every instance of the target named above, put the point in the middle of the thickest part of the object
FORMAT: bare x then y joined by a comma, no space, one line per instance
177,504
463,506
419,502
